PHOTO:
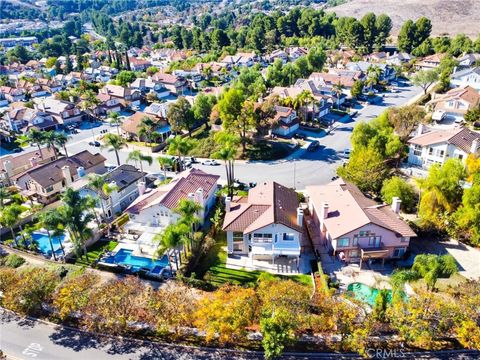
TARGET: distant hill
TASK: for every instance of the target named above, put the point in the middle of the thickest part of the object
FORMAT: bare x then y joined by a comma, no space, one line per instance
448,16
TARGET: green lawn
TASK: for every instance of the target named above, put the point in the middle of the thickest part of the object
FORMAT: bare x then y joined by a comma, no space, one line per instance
212,268
442,283
95,251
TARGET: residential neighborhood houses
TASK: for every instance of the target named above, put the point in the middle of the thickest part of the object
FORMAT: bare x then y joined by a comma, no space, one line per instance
233,171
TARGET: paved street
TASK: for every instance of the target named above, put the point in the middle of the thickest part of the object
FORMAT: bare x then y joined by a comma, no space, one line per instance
28,339
299,170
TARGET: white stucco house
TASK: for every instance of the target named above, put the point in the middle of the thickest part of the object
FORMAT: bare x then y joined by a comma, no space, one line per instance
437,146
155,208
266,224
466,77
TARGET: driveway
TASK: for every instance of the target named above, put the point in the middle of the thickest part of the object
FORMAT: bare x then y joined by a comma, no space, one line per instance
467,257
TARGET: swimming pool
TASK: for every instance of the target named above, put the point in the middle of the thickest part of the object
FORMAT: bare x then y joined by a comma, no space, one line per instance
125,257
366,294
43,243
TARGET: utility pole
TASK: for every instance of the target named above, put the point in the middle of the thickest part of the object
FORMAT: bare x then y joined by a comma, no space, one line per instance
294,174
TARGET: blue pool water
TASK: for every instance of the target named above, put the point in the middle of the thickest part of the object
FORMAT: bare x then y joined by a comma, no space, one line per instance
43,243
125,257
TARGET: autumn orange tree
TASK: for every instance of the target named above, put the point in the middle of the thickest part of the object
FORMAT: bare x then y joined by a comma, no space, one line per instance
74,293
226,314
115,305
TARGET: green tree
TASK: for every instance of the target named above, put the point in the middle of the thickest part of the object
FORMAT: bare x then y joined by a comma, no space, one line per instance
230,106
397,187
383,26
180,147
357,88
406,37
114,142
180,116
467,217
33,137
61,140
369,23
202,107
165,164
425,78
277,332
430,267
139,157
316,58
124,78
10,216
51,221
405,119
472,115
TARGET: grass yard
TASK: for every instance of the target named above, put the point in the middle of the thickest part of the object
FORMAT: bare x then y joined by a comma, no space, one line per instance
442,283
213,269
95,251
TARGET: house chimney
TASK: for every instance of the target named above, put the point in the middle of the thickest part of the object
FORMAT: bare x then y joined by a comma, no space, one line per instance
324,210
141,187
228,203
475,145
33,162
71,99
420,130
8,167
199,197
396,202
67,175
81,171
300,216
191,196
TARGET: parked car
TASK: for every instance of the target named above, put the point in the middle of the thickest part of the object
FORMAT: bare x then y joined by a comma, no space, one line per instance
346,153
191,159
210,162
17,150
300,136
314,145
94,143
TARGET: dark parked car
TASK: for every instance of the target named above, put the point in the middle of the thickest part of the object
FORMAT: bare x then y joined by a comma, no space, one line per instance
94,143
300,136
314,145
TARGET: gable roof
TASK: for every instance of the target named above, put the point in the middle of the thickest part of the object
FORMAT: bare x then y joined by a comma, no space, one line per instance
51,173
123,176
267,203
349,209
171,194
461,138
466,93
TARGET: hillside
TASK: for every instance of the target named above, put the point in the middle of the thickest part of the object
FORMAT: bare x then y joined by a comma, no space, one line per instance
448,16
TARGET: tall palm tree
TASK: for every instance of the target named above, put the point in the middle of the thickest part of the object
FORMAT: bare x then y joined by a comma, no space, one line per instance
146,129
49,139
97,182
337,89
75,215
33,137
188,210
165,163
373,73
138,157
170,239
116,120
61,140
114,142
10,216
227,154
50,221
89,102
180,147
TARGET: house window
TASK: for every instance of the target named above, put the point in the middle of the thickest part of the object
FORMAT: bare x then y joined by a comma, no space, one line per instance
343,242
460,156
374,241
48,189
259,237
363,233
398,252
355,241
353,253
430,151
288,237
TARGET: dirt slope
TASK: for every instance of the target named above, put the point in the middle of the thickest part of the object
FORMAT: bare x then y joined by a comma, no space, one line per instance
448,16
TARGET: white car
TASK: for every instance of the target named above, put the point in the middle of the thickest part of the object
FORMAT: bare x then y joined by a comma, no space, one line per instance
210,162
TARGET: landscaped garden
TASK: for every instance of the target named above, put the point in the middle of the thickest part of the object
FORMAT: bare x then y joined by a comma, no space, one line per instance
95,252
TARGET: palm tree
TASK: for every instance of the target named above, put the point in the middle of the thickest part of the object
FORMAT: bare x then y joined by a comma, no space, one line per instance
114,143
97,182
165,163
116,120
61,140
188,210
373,73
33,137
10,216
180,147
146,129
227,154
170,239
137,156
50,221
49,138
75,216
337,89
89,103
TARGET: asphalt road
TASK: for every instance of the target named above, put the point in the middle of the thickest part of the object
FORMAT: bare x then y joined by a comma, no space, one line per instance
30,339
299,170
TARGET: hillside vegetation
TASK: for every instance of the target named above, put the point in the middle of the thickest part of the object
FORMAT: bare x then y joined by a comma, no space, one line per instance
448,16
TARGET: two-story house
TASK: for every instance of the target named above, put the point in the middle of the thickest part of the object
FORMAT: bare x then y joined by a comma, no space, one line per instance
437,146
355,228
454,103
11,166
429,62
126,95
155,208
466,77
64,112
131,127
266,224
46,182
126,184
286,121
22,119
12,94
387,72
175,84
149,85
